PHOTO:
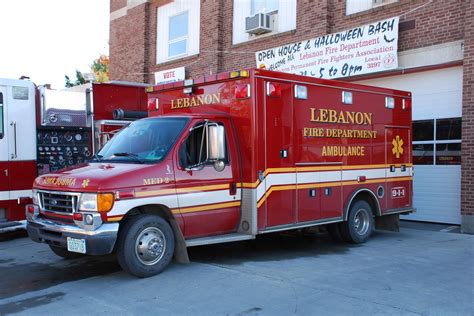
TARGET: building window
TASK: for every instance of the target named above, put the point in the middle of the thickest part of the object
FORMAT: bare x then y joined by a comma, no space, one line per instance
263,6
355,6
437,142
281,14
178,35
178,28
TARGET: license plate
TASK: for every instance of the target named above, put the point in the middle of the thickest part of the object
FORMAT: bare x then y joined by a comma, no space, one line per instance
76,245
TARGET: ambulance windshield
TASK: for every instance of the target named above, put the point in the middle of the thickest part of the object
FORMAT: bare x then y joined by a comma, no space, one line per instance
143,141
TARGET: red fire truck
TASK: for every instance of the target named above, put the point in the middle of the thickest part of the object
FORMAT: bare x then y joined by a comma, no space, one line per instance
44,130
230,156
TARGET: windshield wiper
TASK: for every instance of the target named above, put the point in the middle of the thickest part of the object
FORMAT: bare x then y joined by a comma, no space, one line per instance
131,155
97,157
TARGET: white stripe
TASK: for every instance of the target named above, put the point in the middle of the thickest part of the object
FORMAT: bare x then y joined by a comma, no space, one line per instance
209,197
13,195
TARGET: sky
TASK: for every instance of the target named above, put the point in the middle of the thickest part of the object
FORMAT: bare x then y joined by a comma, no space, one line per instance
47,39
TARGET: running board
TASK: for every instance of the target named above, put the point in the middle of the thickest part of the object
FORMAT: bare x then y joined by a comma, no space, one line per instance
12,226
218,239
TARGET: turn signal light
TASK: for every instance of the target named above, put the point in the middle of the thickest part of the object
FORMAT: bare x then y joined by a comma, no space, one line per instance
105,201
30,209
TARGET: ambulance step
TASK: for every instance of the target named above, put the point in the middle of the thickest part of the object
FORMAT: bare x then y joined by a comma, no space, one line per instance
11,226
218,239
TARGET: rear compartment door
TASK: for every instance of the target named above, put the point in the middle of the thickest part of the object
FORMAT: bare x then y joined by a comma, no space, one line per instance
398,167
280,172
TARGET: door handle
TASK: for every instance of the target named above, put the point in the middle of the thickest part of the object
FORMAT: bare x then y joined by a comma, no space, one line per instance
233,188
14,154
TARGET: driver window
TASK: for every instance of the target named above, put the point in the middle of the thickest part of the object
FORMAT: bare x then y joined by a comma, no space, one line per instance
194,150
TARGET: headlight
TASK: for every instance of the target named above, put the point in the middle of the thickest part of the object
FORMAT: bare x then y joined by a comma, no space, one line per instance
88,202
34,197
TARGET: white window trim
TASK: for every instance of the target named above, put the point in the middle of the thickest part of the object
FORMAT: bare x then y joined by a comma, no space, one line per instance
163,15
371,4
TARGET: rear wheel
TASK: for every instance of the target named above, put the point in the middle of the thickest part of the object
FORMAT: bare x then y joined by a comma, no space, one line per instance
360,223
145,245
63,252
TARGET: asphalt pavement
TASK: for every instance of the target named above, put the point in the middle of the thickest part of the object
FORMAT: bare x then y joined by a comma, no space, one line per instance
419,271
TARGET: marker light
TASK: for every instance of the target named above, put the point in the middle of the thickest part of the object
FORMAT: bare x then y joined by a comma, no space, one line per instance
406,104
242,91
105,201
273,90
301,92
77,217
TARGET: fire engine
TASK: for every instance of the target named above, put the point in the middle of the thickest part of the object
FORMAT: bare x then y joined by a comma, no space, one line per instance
227,157
44,130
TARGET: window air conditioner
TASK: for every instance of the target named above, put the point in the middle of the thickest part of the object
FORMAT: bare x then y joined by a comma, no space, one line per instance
258,24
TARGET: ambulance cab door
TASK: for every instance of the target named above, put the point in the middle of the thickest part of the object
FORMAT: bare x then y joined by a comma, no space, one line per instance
4,180
280,175
208,193
398,167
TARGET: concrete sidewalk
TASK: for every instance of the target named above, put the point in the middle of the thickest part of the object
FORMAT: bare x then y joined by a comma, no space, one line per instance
411,272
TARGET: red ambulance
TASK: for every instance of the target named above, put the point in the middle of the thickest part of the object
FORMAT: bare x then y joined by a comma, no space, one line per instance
230,156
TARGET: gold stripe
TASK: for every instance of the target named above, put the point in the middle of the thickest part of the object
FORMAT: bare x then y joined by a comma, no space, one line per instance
206,207
114,219
325,184
181,190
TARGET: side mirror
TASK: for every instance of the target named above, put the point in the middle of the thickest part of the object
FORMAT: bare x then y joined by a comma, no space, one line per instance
216,143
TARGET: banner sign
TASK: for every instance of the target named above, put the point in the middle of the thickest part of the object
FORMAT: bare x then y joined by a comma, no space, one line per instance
361,50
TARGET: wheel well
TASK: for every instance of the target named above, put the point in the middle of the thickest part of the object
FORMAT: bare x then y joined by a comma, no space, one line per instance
363,195
181,253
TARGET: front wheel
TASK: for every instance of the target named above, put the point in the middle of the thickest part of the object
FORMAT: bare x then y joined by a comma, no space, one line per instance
360,223
145,245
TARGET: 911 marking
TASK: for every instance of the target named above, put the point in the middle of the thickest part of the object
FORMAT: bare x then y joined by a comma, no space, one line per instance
398,192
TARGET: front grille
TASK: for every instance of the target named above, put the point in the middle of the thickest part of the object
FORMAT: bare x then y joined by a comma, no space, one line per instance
58,202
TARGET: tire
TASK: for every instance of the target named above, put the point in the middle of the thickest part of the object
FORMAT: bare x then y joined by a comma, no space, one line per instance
64,253
335,232
360,223
145,245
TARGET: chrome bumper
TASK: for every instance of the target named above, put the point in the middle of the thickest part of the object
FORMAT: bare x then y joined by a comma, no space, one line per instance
100,241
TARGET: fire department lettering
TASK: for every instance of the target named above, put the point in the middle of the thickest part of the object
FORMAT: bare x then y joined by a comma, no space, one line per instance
341,117
60,182
343,151
151,181
196,101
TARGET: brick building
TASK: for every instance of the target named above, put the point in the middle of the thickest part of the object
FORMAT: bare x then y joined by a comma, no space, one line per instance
435,62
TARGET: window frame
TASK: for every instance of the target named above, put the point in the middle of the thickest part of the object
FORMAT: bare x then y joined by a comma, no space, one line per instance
434,142
178,39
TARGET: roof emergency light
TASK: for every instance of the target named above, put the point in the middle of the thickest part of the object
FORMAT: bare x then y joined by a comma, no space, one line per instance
273,89
301,92
389,102
346,97
242,91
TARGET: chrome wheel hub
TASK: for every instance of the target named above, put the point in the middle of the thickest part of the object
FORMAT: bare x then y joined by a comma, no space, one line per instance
361,222
150,246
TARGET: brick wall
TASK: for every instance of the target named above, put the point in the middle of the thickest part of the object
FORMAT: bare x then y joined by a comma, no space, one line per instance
128,47
421,23
467,168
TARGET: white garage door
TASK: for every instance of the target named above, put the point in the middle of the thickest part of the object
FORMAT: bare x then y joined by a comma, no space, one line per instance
437,108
